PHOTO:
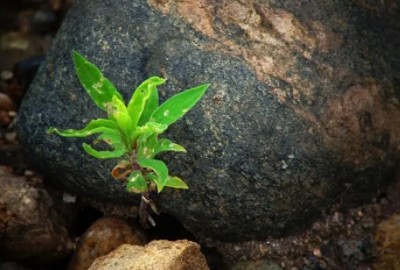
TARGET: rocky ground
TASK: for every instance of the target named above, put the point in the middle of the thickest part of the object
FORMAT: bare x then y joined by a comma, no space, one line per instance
33,213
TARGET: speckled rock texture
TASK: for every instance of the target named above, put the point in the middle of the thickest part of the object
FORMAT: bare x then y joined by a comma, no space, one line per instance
31,229
105,235
303,110
158,254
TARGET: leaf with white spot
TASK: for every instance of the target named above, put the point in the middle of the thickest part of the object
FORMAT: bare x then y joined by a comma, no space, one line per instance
136,182
152,127
152,101
167,145
144,100
94,126
96,85
109,133
175,107
145,145
117,111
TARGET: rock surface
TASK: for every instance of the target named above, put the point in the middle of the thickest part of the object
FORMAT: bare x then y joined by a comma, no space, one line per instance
302,112
31,230
158,254
105,235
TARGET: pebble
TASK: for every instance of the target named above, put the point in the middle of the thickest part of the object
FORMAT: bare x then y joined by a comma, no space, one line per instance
44,20
105,235
14,40
10,137
6,105
6,102
387,241
317,252
6,75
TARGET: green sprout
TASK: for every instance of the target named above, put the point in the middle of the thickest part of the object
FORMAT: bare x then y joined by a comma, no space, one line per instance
131,132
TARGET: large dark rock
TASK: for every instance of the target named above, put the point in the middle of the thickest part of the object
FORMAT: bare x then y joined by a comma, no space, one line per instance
302,113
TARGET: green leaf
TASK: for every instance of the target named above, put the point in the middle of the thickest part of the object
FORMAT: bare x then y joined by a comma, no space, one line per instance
155,127
117,152
151,176
145,148
152,127
112,138
176,182
117,109
94,126
175,107
138,102
151,143
159,168
152,101
109,134
100,89
136,182
167,145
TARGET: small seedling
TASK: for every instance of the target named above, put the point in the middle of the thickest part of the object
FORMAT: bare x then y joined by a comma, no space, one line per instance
131,132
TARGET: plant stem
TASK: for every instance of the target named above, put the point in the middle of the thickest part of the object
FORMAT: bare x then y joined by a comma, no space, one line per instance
146,208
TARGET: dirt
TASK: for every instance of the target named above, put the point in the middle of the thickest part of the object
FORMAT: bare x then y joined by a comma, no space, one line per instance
340,240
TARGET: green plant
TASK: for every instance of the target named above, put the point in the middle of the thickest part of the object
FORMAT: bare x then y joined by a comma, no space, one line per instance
131,131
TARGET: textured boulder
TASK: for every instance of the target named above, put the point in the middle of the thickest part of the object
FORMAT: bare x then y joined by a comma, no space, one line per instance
302,112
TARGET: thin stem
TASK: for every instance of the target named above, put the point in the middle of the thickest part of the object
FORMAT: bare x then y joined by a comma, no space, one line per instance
146,208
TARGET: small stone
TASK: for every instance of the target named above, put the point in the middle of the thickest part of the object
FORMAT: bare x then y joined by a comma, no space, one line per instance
6,102
43,20
387,241
10,137
68,198
28,173
6,75
105,235
317,252
14,40
159,254
237,248
4,118
336,217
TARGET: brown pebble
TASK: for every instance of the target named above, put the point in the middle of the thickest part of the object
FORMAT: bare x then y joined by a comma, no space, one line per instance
317,252
6,102
387,241
105,235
